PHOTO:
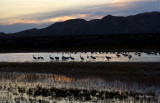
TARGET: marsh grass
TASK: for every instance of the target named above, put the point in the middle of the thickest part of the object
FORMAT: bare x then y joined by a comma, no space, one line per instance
46,88
79,82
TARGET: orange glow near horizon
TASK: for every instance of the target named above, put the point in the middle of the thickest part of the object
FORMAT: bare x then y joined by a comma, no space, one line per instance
60,78
23,22
64,18
51,20
49,11
58,19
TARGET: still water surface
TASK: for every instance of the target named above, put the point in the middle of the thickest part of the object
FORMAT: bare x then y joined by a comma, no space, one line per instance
81,57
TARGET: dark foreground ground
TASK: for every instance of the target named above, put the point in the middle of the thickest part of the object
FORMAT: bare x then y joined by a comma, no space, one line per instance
145,73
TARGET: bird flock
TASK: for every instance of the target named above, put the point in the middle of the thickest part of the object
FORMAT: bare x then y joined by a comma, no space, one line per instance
91,57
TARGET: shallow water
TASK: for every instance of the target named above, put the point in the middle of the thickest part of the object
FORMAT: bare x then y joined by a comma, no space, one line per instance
82,57
52,88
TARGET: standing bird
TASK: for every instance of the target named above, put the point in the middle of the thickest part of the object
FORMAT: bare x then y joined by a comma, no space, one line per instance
118,55
34,57
57,58
64,58
71,57
125,54
130,56
108,58
81,57
139,54
41,58
51,57
93,57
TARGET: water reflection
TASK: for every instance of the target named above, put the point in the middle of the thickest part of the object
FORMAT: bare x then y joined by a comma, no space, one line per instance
60,78
52,88
81,57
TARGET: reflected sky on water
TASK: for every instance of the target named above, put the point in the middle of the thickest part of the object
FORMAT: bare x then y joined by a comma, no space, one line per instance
81,57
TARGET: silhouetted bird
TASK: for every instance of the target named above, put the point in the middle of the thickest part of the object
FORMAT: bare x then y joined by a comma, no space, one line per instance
38,57
130,56
51,57
34,57
81,57
139,54
118,55
64,58
71,57
125,54
41,58
57,58
108,58
93,57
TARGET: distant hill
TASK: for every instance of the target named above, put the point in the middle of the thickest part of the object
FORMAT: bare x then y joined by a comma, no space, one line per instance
137,32
2,34
140,23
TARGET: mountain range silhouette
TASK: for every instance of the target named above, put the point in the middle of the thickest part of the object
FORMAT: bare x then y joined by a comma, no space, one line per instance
141,23
137,32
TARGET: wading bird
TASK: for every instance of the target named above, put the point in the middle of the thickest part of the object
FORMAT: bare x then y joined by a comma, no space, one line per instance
38,57
57,58
71,57
93,57
125,54
81,57
64,58
34,57
51,57
41,58
118,55
108,58
139,54
130,56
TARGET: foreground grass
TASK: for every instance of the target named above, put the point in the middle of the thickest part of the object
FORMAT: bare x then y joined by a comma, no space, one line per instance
145,73
80,82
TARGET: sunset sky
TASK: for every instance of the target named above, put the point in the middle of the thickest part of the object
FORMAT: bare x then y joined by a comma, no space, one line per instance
17,15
